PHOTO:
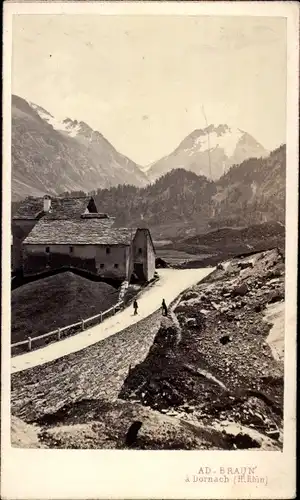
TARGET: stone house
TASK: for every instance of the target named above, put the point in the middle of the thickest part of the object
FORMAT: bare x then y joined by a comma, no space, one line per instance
89,242
32,210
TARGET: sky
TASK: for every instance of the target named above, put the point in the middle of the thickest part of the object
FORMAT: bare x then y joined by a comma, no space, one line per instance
142,81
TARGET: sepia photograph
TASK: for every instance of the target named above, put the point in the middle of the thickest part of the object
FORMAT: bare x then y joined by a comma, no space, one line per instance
148,194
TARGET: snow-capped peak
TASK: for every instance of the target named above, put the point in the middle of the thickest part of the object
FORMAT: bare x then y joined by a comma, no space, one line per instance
210,138
209,152
66,125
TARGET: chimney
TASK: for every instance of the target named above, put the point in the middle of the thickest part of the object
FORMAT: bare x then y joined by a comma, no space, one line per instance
47,203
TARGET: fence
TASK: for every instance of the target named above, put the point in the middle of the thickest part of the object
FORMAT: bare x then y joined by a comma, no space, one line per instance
80,325
63,331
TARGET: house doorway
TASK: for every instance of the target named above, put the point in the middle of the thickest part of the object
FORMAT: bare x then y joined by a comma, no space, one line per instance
138,274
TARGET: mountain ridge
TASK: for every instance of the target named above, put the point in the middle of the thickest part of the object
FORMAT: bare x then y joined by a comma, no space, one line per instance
82,160
77,157
210,151
181,203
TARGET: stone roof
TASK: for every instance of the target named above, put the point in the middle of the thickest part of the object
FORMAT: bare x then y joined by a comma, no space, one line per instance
30,208
67,208
96,216
61,208
79,232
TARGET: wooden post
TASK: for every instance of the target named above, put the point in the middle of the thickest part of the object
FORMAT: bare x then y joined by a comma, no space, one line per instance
29,343
101,317
114,310
58,334
82,324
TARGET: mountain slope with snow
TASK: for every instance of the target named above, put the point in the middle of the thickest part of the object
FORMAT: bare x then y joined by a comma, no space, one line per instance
68,126
210,152
52,156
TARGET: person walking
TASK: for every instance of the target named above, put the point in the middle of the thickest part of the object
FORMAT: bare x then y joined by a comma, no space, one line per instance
135,307
164,308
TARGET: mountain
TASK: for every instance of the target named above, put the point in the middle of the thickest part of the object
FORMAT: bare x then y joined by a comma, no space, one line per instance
178,197
55,157
253,191
181,203
210,151
49,156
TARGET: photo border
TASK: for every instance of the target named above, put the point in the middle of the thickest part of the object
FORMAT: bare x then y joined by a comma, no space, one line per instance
104,474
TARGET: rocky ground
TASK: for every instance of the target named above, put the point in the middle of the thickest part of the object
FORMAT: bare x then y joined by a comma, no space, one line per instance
212,361
202,378
94,424
97,372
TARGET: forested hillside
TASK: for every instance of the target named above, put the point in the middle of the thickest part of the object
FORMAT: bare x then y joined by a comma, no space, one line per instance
181,203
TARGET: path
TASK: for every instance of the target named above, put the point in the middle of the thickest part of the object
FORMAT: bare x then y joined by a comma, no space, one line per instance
172,282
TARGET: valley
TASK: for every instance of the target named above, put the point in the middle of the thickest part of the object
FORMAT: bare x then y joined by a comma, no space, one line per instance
185,377
217,201
182,204
150,170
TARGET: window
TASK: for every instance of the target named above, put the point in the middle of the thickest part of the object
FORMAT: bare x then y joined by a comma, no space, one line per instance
71,249
140,251
108,250
116,266
47,249
102,266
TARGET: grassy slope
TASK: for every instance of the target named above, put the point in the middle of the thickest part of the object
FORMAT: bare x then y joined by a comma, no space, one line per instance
217,245
57,301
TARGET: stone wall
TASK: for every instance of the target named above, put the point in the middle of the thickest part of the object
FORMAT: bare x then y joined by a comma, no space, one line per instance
92,258
20,229
143,254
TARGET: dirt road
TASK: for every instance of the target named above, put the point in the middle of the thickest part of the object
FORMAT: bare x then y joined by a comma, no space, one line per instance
171,283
